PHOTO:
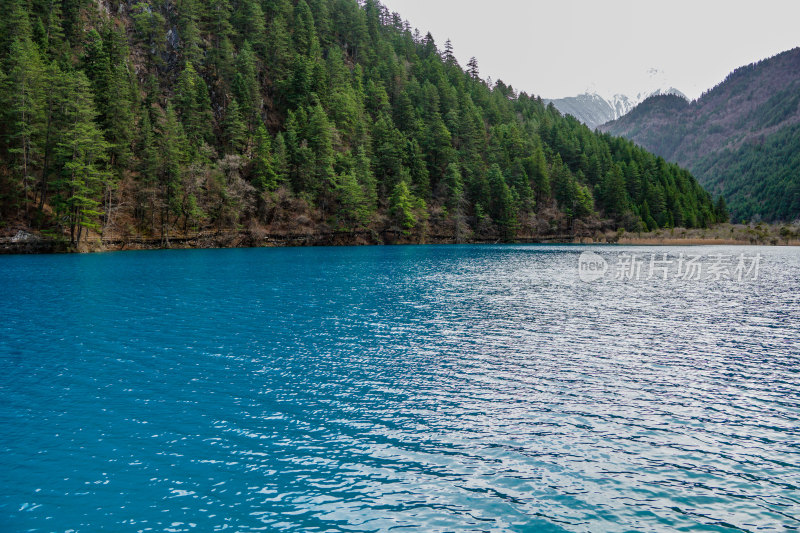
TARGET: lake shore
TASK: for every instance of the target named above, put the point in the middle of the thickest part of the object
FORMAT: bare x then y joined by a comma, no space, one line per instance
29,242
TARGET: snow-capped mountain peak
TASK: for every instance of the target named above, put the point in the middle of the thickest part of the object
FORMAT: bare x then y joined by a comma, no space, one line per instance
594,109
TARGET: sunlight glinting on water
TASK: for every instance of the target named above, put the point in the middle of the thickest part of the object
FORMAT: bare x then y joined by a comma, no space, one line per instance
468,388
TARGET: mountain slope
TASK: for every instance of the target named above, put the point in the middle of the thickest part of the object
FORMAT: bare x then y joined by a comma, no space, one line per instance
594,110
738,138
158,118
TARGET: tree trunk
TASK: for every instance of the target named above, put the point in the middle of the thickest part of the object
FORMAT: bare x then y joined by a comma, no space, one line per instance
46,162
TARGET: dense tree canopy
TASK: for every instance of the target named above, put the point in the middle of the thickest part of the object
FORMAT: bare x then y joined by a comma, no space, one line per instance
761,179
740,139
151,118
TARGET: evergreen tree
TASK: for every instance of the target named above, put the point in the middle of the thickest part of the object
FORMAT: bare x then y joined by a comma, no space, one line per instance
55,38
613,193
721,213
501,203
173,155
15,25
472,68
250,24
536,168
119,117
149,24
194,106
97,67
24,85
352,205
448,56
279,53
281,159
83,150
245,86
264,176
148,153
405,207
319,135
366,179
454,187
234,129
305,33
189,29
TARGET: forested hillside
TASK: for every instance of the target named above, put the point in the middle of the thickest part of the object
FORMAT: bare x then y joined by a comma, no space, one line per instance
740,139
159,118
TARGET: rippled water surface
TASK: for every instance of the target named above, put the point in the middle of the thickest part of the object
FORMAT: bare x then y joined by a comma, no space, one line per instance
429,389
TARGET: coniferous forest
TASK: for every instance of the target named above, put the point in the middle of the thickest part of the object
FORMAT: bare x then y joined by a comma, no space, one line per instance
178,116
739,139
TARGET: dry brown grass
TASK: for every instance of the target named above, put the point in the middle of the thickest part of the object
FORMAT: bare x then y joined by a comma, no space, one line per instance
723,234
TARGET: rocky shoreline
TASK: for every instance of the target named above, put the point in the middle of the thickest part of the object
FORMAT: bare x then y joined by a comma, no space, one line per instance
26,242
30,243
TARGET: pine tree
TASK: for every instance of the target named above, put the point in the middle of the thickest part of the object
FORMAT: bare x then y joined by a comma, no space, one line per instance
536,167
218,19
83,150
472,68
97,66
53,123
149,25
245,86
348,115
438,148
387,159
277,8
24,84
305,32
173,156
414,162
405,208
148,169
250,25
263,169
188,12
520,186
453,187
613,193
194,106
220,58
119,117
15,26
322,21
234,129
352,206
448,56
366,178
721,211
319,134
279,53
281,159
501,203
56,40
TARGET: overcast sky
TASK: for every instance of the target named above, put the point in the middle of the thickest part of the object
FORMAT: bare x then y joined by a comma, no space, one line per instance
556,48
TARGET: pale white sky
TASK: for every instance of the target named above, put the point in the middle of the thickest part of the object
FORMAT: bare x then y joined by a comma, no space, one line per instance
557,48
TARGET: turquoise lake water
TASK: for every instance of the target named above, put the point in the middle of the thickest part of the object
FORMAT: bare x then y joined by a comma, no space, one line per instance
428,388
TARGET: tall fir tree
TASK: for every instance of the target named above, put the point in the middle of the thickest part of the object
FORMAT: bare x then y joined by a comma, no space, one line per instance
84,151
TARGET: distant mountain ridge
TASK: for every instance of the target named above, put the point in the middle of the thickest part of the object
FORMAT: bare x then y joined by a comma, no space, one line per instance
594,109
741,139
